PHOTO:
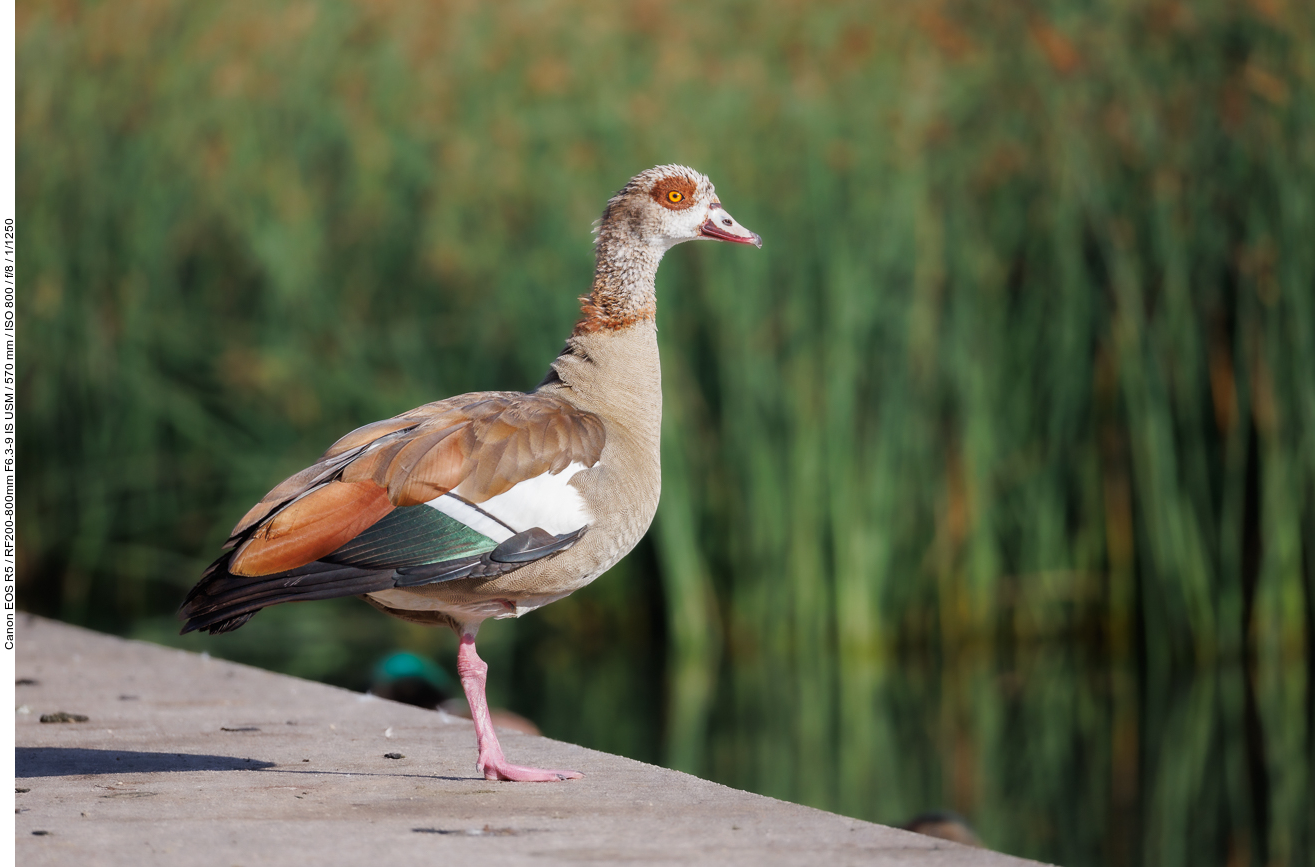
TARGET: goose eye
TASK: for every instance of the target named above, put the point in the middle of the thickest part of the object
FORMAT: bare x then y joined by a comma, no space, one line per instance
675,196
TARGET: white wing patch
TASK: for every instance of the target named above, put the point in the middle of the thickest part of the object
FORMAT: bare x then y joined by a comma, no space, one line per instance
472,517
545,501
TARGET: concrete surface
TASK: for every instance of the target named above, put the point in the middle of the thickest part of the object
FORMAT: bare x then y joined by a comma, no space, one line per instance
190,760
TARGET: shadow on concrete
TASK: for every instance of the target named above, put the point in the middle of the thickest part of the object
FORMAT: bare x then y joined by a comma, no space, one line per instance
72,761
319,772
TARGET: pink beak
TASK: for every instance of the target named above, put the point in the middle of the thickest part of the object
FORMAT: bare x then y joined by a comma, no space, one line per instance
721,226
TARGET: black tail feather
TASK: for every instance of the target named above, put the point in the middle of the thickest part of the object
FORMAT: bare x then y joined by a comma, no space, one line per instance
222,601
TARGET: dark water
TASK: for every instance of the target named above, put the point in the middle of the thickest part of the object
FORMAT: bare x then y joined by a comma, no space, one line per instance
1051,753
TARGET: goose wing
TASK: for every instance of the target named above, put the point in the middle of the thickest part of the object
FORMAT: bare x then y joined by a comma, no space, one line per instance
472,486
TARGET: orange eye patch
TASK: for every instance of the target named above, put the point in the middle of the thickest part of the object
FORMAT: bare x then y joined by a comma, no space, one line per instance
675,192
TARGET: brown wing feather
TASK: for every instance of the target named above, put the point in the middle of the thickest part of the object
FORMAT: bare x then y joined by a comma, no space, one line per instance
312,527
367,434
329,465
481,445
428,467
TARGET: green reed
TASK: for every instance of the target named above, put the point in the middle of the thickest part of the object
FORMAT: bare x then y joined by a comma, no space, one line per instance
1024,363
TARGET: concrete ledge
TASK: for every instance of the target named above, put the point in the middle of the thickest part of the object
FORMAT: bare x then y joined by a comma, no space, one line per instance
187,759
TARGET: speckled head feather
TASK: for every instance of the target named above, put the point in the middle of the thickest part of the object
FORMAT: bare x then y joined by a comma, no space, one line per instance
656,210
632,209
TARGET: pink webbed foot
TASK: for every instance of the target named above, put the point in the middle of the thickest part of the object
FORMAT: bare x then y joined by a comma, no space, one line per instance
492,764
522,774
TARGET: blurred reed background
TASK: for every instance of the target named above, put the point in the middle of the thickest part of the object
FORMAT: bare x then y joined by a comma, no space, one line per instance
989,483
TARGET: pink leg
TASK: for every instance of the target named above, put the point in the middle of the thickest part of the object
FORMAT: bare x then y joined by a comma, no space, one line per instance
492,764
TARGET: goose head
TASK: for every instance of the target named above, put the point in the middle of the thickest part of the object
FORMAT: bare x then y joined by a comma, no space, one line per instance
666,206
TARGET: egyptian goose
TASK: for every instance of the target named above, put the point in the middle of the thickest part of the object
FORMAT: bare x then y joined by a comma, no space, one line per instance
495,503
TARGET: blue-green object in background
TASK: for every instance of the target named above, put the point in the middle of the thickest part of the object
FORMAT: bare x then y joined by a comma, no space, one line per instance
408,677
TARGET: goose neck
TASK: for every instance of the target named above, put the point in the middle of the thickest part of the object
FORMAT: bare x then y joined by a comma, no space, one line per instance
623,290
